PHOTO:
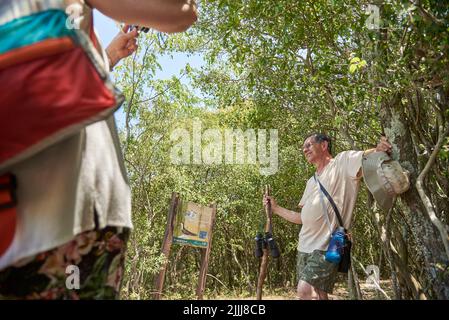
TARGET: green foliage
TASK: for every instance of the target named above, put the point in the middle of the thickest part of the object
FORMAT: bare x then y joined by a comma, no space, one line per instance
298,67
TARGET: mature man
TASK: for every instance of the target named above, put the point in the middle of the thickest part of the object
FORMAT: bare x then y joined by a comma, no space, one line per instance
340,176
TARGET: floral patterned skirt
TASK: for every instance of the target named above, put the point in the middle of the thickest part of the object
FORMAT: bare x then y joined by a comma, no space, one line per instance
88,267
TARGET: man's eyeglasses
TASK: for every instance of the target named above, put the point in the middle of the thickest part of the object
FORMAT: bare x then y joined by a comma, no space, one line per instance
308,145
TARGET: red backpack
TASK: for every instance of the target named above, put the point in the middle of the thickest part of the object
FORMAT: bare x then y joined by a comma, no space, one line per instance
53,83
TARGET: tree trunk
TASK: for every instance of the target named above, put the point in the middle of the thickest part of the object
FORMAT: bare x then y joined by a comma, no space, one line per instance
430,245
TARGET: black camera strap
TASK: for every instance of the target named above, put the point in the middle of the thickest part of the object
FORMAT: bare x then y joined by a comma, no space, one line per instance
334,206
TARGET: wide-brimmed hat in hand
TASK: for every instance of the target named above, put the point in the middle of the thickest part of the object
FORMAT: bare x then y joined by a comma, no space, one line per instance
384,178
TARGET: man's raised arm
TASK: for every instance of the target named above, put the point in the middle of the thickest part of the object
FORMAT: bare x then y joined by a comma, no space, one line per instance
288,215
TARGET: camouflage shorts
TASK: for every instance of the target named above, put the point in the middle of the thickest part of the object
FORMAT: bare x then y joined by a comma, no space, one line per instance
316,271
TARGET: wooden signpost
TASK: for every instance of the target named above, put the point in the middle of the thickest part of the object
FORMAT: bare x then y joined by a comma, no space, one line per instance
188,224
205,254
166,244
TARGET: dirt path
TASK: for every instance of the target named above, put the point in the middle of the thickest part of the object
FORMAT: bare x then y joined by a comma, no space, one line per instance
340,293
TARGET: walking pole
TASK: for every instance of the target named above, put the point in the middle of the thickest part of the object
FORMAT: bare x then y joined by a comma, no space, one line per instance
264,263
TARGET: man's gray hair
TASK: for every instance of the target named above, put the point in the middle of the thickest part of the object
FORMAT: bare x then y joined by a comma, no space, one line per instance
321,137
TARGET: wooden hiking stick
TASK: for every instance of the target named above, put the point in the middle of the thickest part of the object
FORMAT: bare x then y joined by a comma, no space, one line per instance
264,263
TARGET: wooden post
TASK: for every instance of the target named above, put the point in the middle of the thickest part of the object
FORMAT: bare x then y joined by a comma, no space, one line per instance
264,263
166,244
205,254
262,274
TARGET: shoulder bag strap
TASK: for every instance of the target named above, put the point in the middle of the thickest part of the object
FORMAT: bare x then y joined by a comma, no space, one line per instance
323,205
328,196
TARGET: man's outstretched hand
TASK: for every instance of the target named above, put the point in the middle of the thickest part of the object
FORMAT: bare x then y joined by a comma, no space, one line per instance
384,145
269,199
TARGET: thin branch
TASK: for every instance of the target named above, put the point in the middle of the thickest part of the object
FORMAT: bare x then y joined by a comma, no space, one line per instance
386,237
426,14
160,93
376,284
443,133
130,104
334,108
209,275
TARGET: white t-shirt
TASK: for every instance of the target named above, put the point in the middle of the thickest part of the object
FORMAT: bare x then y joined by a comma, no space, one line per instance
60,188
339,177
